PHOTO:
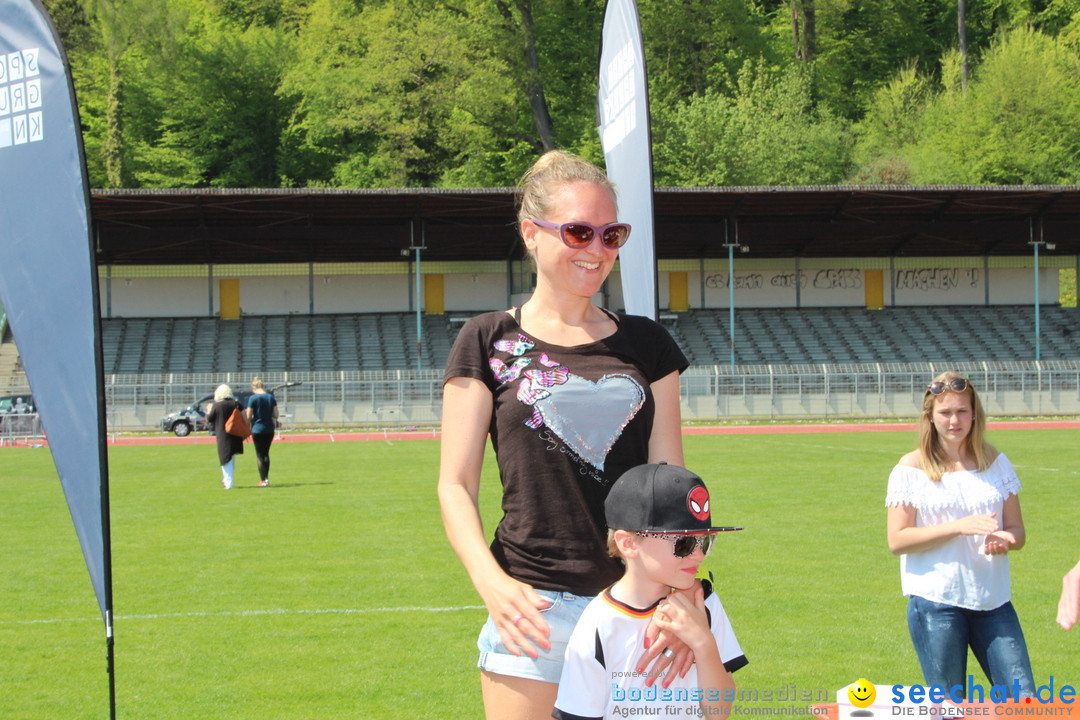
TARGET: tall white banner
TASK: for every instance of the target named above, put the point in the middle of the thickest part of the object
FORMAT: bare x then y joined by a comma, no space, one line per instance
623,119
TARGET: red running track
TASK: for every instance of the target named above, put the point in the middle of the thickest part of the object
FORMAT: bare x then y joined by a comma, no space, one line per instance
396,436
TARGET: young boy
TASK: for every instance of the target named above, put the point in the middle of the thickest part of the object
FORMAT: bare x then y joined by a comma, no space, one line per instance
660,525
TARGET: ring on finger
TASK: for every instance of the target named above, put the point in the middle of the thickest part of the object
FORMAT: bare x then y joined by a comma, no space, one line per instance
669,653
518,619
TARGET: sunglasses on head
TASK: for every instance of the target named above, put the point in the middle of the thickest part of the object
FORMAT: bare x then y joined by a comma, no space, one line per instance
956,385
580,234
684,545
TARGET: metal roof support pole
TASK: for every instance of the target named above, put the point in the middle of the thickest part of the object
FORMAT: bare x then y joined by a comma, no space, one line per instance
798,282
828,397
108,292
731,245
1035,250
731,298
880,390
1038,347
892,281
509,282
416,254
772,393
701,277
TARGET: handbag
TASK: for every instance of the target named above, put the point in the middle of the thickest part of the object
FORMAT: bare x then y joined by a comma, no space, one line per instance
237,425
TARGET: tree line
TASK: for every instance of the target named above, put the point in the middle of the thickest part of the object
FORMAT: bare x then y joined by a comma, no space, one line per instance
466,93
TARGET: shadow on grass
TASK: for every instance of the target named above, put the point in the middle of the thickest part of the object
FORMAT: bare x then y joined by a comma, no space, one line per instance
274,485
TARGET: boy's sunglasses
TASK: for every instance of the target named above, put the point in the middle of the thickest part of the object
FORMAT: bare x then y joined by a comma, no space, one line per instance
578,235
956,385
684,545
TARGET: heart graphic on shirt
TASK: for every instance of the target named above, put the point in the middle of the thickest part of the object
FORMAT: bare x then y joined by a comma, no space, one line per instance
590,416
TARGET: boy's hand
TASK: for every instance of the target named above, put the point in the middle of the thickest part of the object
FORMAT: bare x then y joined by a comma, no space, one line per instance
664,651
685,617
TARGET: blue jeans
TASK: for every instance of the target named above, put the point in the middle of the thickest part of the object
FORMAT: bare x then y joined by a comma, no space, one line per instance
942,633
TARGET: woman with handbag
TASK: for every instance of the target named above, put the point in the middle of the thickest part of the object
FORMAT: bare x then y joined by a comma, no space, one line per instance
227,445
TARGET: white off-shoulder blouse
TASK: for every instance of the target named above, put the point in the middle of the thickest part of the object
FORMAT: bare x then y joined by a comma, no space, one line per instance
957,572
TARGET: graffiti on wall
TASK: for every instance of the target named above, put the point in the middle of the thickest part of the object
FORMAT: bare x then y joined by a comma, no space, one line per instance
743,281
939,279
788,280
936,279
833,279
842,279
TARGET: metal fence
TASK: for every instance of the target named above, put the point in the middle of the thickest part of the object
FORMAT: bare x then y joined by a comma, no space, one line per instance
882,390
404,398
19,429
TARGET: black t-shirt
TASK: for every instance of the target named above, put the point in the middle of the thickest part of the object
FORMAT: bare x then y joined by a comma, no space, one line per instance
567,422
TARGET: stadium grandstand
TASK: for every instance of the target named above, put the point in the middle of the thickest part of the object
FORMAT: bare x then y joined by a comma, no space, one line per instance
763,336
357,286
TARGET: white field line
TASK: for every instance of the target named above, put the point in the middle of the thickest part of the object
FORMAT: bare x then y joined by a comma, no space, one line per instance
255,613
848,448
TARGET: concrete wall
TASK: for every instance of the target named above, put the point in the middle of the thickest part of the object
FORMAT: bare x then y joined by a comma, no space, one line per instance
144,292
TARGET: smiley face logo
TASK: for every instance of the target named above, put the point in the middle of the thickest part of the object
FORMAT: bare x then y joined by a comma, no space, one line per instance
861,693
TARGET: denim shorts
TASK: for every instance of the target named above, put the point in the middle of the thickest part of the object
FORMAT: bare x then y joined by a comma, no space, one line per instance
561,616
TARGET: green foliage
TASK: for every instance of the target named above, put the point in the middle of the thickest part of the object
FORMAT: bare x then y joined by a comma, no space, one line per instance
1067,288
861,43
124,32
891,124
221,116
269,13
72,24
770,133
391,94
447,93
1015,125
700,45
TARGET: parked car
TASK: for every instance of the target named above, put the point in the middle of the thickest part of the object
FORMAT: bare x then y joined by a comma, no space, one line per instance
192,418
16,405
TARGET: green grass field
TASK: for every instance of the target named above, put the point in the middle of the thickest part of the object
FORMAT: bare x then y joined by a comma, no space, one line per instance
333,593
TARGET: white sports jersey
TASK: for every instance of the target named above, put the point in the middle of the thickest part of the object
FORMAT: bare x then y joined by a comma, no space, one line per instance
599,678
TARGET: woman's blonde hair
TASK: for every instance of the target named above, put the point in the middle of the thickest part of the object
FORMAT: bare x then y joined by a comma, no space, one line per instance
223,391
552,170
257,383
933,455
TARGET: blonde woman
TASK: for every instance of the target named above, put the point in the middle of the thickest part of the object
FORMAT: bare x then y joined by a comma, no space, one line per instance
573,395
262,415
228,445
953,518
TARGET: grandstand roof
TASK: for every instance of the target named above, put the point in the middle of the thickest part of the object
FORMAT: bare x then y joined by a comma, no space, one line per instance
152,227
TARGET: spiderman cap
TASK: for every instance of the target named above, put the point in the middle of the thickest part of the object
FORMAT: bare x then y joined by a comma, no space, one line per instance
660,498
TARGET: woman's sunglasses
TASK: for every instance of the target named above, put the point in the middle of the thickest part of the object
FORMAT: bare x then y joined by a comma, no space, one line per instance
956,385
580,234
684,545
